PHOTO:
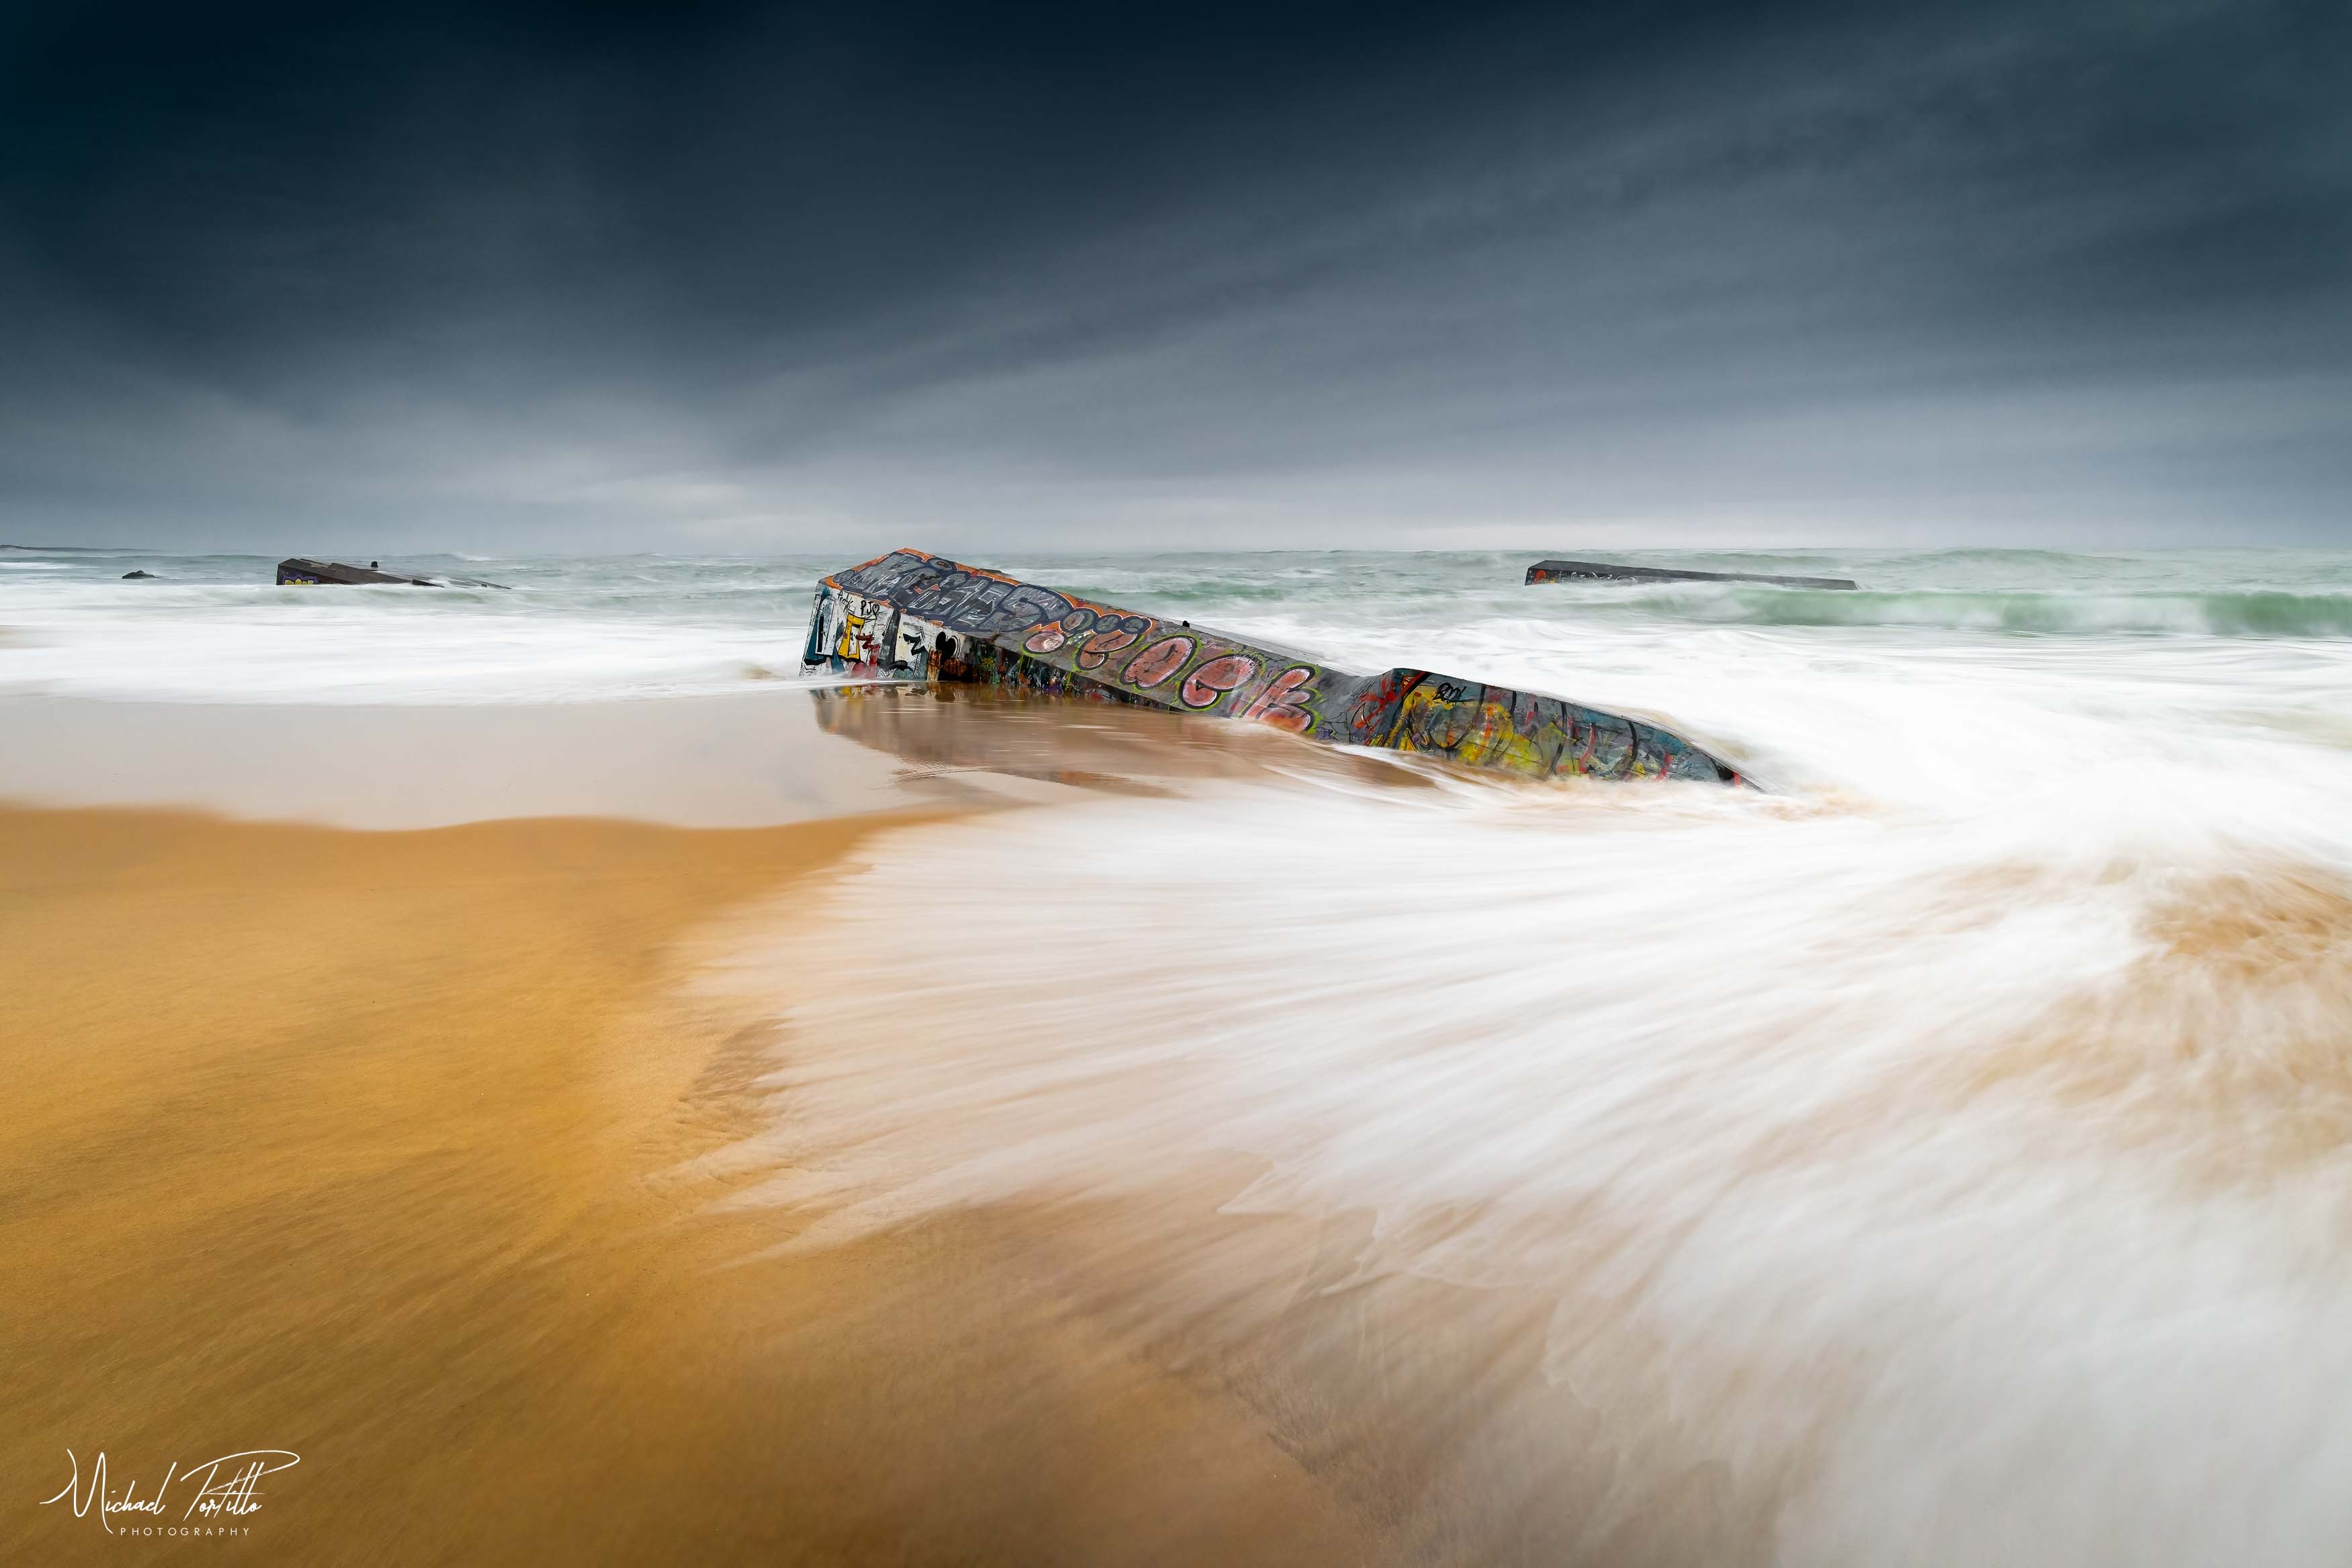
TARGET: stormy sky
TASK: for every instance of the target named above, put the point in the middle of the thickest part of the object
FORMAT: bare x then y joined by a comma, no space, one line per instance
720,277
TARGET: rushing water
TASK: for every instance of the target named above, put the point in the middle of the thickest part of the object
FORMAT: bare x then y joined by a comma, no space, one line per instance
1942,1155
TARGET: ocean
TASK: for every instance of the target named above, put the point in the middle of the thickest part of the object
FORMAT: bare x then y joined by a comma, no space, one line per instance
1940,1153
212,628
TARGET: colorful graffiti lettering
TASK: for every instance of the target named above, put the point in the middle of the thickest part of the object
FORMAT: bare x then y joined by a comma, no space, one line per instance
1159,662
1274,706
850,647
1371,717
1206,686
1109,638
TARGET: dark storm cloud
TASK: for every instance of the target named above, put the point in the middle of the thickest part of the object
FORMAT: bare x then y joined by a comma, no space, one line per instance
621,276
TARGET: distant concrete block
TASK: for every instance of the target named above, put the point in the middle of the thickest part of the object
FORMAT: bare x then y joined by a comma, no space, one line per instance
909,615
302,571
1571,570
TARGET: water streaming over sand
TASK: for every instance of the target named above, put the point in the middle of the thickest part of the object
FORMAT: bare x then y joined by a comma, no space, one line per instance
1943,1155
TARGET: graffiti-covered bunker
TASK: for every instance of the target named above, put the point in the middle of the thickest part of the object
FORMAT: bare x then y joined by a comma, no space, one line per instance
910,615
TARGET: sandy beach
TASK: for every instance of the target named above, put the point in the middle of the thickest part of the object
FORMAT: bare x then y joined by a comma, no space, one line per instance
404,1151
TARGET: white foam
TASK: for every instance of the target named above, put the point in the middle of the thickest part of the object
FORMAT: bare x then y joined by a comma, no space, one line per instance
258,644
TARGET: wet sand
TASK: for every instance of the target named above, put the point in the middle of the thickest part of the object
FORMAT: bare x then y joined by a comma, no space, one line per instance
739,761
784,754
402,1151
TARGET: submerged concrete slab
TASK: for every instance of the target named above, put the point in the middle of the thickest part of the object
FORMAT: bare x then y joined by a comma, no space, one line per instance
1571,571
909,615
304,570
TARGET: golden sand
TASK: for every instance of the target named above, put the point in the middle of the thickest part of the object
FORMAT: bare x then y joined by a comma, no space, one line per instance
372,1147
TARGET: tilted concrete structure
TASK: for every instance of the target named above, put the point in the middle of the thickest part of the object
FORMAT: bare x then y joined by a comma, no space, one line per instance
909,615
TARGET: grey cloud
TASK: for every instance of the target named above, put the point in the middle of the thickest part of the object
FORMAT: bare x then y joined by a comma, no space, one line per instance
773,278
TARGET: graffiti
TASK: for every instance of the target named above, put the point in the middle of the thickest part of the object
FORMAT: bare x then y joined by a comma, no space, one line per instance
1273,706
977,603
1159,662
817,651
910,615
1371,717
1520,732
1110,637
1207,685
908,647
